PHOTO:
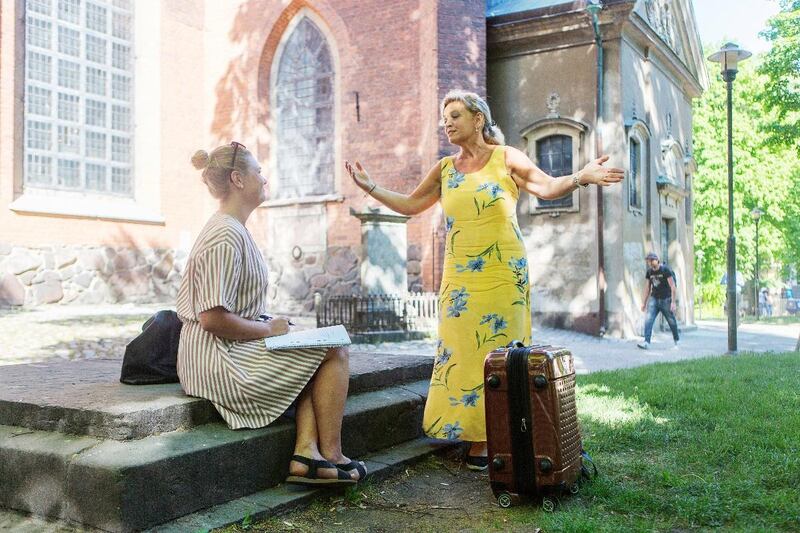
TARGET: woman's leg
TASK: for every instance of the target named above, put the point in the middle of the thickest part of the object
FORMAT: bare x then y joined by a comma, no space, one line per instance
306,441
478,449
328,394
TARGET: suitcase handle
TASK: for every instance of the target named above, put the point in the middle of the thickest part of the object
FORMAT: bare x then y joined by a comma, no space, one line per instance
515,344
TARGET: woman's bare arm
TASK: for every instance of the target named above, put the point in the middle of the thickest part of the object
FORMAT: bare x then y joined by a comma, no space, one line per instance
424,196
222,323
534,180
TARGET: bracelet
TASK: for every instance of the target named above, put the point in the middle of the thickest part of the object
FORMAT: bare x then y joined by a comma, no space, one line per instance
369,192
577,183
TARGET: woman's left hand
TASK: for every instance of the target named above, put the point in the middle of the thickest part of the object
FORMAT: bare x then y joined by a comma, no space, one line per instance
597,174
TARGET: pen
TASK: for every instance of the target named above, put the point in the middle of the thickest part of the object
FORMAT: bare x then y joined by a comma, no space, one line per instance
264,318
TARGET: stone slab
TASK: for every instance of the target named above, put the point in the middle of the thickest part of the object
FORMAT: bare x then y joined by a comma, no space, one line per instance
129,485
86,398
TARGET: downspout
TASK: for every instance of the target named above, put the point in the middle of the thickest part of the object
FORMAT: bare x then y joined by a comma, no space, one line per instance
594,7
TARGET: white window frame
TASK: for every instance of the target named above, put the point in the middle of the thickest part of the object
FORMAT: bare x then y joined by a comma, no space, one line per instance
144,205
556,126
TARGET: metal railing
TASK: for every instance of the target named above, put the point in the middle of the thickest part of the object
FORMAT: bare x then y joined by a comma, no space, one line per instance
416,312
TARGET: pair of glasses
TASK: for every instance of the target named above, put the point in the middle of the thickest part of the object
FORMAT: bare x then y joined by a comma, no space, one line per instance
236,146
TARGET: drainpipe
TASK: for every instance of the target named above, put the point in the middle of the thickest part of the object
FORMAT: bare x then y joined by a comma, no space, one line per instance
594,7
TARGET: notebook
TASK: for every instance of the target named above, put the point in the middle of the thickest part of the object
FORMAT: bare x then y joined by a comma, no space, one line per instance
310,338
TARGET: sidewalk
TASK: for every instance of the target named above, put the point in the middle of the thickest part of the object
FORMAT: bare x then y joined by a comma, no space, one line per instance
86,332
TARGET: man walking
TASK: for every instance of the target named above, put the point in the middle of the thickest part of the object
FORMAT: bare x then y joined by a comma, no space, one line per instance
659,297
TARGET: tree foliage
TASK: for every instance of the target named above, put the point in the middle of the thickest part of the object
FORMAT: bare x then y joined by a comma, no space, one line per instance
766,175
781,66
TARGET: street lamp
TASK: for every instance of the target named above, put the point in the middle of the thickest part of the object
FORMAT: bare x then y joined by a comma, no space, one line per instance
728,56
699,254
756,214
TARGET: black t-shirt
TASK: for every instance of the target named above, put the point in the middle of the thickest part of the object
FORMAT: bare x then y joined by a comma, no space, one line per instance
659,281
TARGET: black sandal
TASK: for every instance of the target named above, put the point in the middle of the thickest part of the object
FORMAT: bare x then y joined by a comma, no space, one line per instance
312,480
354,465
478,463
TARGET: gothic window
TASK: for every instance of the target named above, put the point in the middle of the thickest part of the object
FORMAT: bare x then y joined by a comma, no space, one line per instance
554,156
78,91
304,109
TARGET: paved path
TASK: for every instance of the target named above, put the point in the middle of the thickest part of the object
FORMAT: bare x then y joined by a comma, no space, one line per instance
78,332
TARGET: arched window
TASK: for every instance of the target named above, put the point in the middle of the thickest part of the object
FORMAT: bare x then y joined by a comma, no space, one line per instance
555,144
638,164
304,107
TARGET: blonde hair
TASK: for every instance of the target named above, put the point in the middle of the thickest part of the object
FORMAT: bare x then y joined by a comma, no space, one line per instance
476,104
217,167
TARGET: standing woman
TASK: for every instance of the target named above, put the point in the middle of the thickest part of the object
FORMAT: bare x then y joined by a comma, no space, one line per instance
484,296
222,356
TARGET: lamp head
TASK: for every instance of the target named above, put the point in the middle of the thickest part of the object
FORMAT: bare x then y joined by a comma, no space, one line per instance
756,213
594,7
728,57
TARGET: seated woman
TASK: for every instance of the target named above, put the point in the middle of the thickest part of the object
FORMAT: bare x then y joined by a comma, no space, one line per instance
222,356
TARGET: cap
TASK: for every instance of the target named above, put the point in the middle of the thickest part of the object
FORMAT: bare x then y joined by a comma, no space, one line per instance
651,255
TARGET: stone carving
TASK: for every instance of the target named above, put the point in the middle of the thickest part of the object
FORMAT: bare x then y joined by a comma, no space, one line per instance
661,19
553,102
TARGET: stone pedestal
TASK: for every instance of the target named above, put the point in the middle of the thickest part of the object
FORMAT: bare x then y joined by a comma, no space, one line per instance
384,243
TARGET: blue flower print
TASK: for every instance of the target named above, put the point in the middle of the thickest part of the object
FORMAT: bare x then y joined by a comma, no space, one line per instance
488,318
452,431
473,265
518,264
455,179
458,302
494,189
448,224
499,325
443,354
467,400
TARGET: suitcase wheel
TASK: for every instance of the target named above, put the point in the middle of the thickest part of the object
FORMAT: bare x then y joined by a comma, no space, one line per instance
573,489
548,505
504,500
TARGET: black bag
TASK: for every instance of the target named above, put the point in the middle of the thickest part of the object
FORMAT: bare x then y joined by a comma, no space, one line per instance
152,357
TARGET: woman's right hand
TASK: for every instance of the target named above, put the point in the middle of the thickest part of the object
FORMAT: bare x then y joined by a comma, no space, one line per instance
278,325
359,175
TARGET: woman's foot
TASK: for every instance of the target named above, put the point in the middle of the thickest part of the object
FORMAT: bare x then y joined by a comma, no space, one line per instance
356,469
316,471
477,456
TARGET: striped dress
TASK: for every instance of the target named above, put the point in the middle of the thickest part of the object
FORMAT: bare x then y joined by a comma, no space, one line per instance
249,385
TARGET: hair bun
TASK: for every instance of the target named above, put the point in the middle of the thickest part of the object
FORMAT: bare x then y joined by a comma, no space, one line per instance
200,159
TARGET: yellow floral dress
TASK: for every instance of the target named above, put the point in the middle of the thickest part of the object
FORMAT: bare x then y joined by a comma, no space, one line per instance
484,299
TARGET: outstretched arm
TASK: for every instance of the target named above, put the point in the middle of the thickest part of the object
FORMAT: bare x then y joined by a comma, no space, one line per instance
534,180
424,196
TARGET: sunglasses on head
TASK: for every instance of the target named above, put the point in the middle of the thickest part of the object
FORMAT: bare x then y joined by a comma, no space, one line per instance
236,146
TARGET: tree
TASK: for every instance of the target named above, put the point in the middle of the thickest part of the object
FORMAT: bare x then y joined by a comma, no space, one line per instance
781,66
765,175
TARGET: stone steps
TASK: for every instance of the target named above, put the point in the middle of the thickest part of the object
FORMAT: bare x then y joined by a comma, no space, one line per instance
125,483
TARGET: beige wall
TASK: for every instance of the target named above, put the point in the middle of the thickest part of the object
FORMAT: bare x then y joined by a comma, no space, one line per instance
562,250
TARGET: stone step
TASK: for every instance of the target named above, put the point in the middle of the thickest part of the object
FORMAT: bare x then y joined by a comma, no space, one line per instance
86,397
125,485
285,498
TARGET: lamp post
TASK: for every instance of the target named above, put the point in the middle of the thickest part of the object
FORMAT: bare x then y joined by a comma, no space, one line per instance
756,214
728,56
699,254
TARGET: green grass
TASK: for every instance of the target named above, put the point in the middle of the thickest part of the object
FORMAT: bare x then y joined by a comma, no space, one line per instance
780,320
705,444
708,444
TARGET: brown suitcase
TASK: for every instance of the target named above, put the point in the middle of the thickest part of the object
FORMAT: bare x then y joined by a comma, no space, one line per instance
531,423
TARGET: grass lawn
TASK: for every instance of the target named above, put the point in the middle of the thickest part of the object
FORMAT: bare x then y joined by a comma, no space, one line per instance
704,444
695,445
779,320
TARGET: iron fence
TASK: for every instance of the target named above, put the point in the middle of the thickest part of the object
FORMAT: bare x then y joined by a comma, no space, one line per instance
414,312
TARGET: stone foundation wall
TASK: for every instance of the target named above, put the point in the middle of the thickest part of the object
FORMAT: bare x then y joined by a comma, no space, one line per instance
88,275
105,274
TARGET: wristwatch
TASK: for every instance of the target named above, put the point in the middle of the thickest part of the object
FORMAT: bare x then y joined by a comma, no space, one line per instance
577,183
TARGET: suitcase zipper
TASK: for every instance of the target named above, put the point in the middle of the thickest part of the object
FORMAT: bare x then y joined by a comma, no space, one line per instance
520,414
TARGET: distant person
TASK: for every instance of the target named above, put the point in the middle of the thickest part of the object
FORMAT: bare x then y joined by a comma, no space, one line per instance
767,303
222,356
659,297
762,302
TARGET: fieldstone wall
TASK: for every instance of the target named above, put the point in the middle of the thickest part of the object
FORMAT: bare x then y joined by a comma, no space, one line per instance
88,275
104,274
